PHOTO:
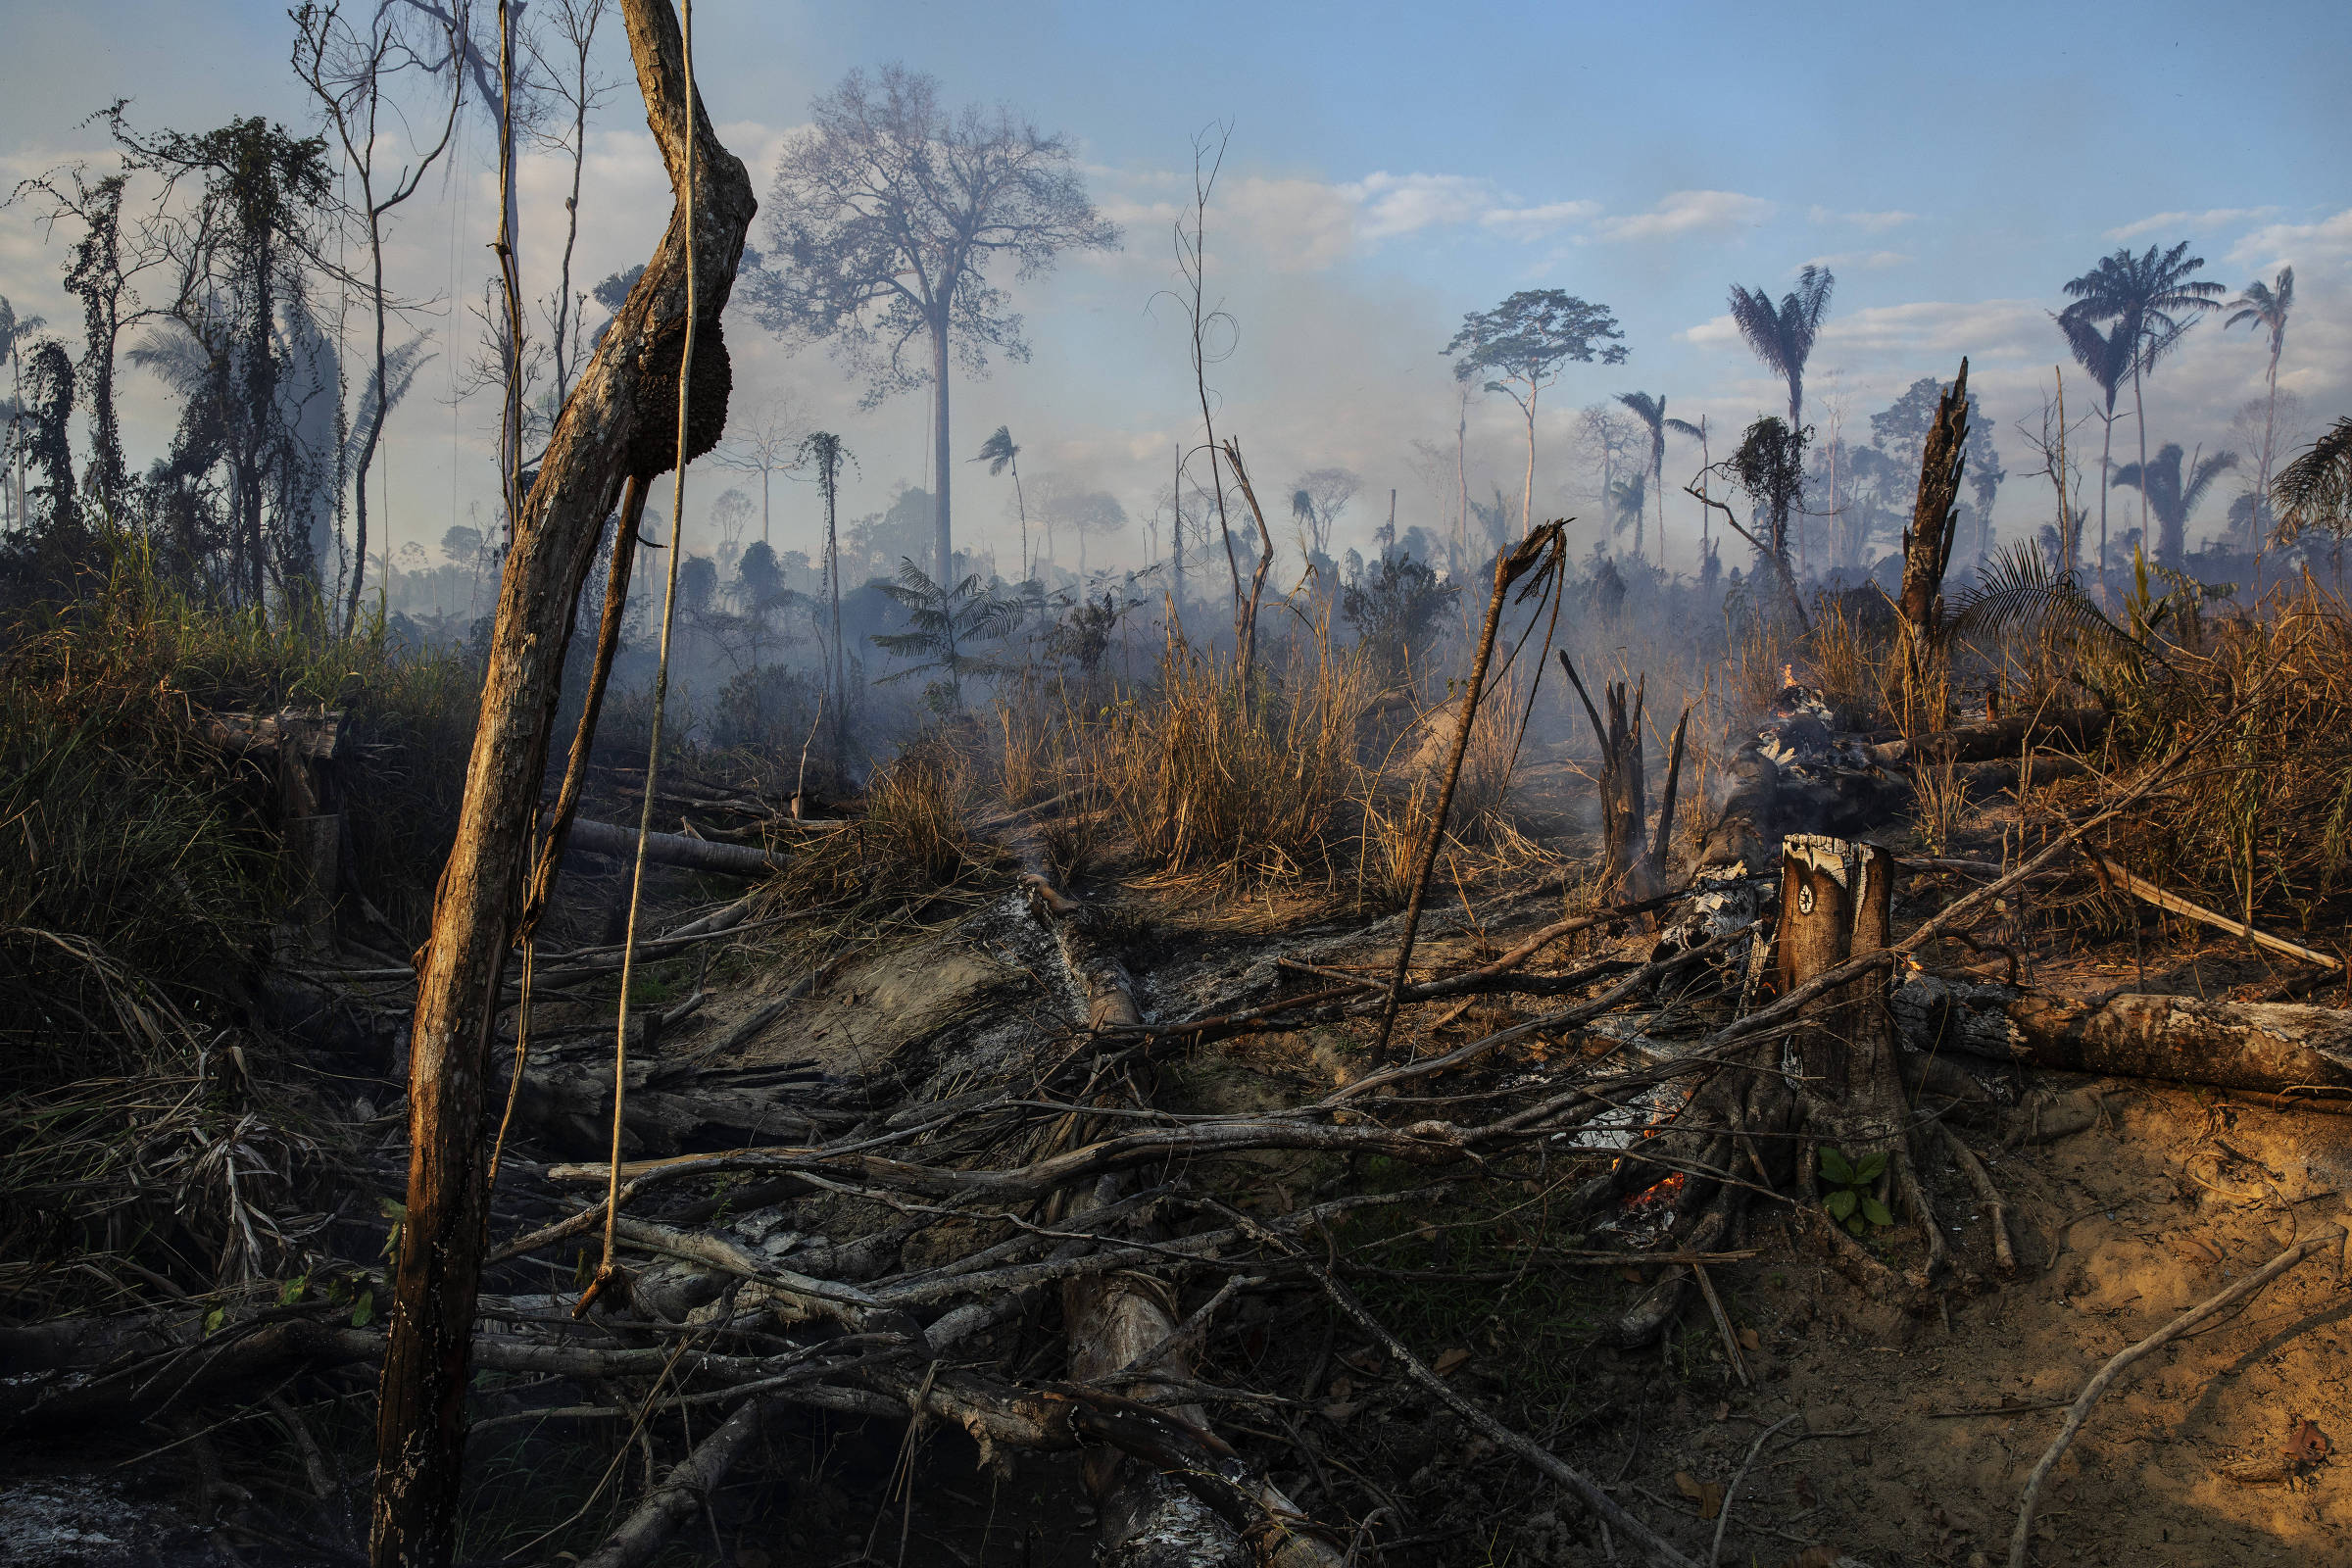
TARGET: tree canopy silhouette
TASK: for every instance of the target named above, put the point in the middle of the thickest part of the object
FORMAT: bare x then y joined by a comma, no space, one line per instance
1521,344
1781,335
2171,497
886,216
2153,298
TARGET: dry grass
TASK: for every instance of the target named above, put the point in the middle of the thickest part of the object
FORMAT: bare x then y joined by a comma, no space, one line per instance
129,830
911,838
1209,778
2264,829
138,891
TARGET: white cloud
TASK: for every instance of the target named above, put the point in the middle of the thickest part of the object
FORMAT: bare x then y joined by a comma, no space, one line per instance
1401,204
1868,222
2306,245
1689,211
1935,328
1863,261
2211,218
1303,226
1532,223
1712,334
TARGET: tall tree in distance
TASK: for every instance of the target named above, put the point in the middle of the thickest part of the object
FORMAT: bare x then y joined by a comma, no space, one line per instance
767,442
1782,335
2106,358
350,65
1706,462
1000,452
2153,298
99,273
15,332
244,256
2173,497
886,216
1317,498
1651,412
824,450
2264,307
1521,344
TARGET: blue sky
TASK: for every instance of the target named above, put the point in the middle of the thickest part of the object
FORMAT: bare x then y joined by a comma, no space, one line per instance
1393,167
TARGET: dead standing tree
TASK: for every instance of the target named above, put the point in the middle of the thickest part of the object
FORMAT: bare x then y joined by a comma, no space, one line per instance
1630,871
1927,552
618,428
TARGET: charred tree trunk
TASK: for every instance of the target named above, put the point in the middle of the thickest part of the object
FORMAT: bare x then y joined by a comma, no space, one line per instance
1927,552
2278,1047
618,423
1836,899
1634,870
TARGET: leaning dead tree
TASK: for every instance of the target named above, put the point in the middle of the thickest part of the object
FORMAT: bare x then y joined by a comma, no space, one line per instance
1927,553
616,428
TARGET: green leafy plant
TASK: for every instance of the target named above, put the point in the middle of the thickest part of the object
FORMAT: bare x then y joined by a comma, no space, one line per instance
1850,1202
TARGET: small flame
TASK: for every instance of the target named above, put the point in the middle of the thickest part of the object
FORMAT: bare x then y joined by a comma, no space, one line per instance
1788,674
1657,1193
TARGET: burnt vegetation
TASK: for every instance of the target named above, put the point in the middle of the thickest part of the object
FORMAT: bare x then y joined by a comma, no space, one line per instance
1453,1051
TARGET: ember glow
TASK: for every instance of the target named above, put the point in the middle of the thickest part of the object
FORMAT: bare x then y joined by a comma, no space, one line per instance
1655,1194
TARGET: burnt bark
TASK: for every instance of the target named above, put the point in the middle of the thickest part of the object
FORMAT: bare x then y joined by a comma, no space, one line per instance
1927,552
1632,869
2277,1048
612,430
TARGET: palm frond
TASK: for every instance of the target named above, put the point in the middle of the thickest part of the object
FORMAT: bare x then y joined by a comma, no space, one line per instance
998,451
2106,356
2019,589
1759,326
2314,491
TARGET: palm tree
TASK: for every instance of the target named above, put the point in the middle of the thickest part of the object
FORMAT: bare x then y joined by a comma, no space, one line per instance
2107,358
1707,514
2161,488
942,621
1782,336
2264,307
2153,298
1000,454
1651,412
824,448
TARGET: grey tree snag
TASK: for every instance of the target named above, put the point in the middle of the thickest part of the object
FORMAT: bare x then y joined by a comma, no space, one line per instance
618,423
1632,869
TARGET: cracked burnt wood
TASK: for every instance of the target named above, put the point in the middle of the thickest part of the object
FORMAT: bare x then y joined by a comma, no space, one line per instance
618,423
2299,1053
1632,869
1927,552
1836,903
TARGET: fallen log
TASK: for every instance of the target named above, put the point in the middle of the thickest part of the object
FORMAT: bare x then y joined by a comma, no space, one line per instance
2291,1050
2116,876
1989,739
675,849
